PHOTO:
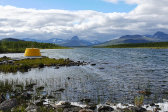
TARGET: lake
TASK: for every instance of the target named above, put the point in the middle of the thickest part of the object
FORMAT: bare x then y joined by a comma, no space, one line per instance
118,76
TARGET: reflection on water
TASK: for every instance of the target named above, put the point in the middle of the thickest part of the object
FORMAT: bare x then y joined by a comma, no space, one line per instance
123,73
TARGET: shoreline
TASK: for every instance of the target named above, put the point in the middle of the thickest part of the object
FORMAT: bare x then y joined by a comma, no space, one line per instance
133,47
24,50
30,97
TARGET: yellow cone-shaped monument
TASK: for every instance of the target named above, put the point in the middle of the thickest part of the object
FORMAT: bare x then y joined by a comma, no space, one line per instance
32,52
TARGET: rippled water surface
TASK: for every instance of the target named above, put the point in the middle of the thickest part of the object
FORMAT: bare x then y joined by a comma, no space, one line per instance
118,75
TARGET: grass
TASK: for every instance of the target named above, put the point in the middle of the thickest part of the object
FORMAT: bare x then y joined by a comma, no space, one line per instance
5,87
45,60
25,64
154,45
138,101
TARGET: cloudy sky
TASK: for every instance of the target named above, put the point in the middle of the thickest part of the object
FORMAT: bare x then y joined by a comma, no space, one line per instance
88,19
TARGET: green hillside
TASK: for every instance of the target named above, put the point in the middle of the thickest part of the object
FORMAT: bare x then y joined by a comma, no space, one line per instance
139,45
20,46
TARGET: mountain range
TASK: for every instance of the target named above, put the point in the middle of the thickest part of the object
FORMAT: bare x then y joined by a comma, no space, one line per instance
128,39
10,39
73,42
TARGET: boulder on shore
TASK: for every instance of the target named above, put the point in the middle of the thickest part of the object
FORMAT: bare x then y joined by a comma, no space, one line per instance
8,104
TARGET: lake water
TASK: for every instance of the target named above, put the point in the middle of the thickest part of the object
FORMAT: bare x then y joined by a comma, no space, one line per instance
117,77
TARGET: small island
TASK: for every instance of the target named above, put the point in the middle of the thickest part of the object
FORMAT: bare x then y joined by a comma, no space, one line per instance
9,65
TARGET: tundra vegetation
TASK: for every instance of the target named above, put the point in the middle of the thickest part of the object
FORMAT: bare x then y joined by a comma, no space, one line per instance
20,46
154,45
9,65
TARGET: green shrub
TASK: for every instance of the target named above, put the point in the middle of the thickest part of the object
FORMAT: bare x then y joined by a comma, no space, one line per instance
139,101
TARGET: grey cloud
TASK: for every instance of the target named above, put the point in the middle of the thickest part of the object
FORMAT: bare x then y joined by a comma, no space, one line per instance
149,16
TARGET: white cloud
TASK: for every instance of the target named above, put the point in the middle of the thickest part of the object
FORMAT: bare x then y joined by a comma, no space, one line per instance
149,16
112,1
126,1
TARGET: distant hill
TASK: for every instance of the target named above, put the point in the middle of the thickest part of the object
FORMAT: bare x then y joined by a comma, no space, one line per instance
11,45
155,45
128,39
161,36
73,42
76,42
11,39
32,40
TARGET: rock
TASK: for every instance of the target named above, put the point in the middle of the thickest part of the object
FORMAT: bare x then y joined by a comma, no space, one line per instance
41,65
72,109
85,110
10,61
30,85
142,110
85,100
138,109
65,103
157,109
5,62
93,64
68,78
57,67
2,98
91,107
157,106
25,68
5,57
26,96
101,68
105,109
125,110
40,103
31,108
152,104
149,111
8,104
112,104
60,90
66,107
108,103
51,97
40,88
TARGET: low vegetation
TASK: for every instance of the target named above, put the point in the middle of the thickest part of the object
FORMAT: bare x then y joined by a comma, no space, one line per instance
138,101
8,65
155,45
20,46
22,97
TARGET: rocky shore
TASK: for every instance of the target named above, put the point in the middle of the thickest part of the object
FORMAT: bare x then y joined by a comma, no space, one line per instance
30,98
62,106
109,107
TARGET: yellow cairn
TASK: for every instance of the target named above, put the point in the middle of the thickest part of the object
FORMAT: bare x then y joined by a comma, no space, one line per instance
32,52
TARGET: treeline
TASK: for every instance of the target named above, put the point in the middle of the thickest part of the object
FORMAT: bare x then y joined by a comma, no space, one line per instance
140,45
20,46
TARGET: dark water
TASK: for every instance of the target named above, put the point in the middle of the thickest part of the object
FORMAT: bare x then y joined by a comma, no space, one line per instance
117,77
